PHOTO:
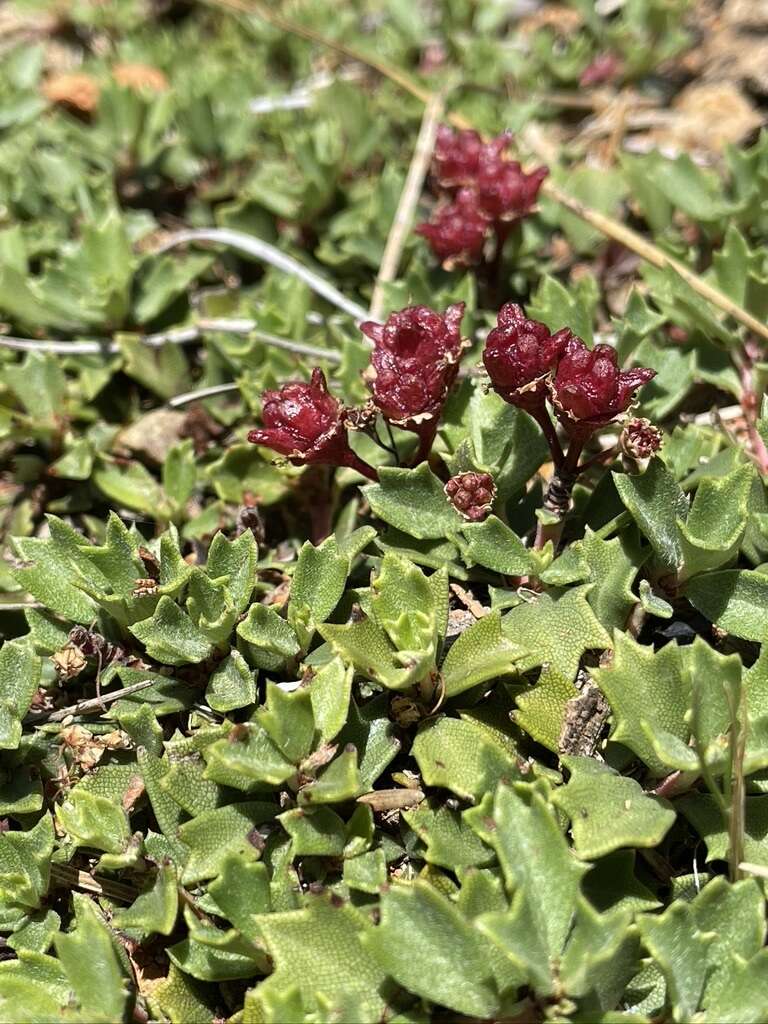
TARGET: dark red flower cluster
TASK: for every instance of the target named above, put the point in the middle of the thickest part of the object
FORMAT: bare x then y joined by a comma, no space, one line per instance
414,364
307,425
529,365
482,191
604,68
590,388
519,356
471,494
457,231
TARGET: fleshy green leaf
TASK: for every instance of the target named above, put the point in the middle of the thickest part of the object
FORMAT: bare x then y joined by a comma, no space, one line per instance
734,599
656,502
25,863
271,639
93,966
644,686
320,950
155,910
93,820
481,652
232,685
681,949
317,586
19,679
542,876
425,944
555,629
712,533
608,811
450,841
457,755
171,636
213,834
412,500
493,545
329,693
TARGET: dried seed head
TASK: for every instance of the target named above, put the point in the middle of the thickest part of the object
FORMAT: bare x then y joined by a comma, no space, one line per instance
640,439
471,494
69,661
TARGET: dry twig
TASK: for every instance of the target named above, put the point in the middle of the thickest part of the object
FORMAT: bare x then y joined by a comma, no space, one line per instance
409,198
85,707
261,250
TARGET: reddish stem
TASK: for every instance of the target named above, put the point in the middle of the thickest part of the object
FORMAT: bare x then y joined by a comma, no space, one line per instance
557,500
749,406
501,230
426,431
542,417
353,461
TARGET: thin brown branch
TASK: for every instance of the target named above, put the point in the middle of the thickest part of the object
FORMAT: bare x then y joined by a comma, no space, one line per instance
72,878
85,707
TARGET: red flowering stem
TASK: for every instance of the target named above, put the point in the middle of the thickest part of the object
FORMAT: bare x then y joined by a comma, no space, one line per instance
749,405
353,461
604,456
544,420
501,230
557,499
426,431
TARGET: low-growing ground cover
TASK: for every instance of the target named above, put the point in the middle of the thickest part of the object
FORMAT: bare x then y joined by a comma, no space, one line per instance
384,518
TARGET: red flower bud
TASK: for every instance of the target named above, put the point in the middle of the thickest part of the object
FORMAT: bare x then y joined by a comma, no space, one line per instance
602,69
471,494
457,157
306,424
590,388
518,355
505,191
414,363
457,231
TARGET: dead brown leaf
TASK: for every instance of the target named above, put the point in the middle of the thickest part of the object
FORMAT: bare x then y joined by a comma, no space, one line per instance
87,749
564,20
76,90
708,116
153,435
134,791
731,51
746,14
140,77
391,799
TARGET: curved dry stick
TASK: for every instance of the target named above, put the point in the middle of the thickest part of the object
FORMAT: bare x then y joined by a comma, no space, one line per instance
179,336
268,254
605,225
